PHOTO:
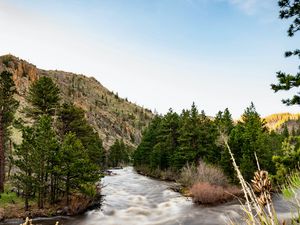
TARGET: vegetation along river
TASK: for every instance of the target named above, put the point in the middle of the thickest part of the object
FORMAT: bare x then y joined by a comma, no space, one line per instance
134,199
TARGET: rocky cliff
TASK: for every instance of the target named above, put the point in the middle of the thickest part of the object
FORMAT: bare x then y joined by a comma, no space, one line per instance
110,115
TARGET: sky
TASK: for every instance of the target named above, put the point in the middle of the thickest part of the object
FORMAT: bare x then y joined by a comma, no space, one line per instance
160,54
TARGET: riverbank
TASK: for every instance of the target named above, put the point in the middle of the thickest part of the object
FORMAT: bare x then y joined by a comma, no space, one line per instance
12,207
205,184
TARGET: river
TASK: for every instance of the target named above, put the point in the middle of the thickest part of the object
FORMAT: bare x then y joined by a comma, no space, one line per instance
133,199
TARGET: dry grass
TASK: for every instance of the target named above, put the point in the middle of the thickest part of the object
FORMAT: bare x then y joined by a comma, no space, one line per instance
206,193
259,210
204,173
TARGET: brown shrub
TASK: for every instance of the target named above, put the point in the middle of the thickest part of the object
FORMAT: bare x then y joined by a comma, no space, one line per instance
211,174
206,193
204,173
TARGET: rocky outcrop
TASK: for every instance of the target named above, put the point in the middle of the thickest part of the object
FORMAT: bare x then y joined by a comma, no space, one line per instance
111,116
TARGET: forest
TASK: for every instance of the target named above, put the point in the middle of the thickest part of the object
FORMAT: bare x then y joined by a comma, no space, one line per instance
59,158
173,141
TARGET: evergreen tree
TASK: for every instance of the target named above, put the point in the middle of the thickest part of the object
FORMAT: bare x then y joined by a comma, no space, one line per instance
287,160
8,106
208,138
75,167
167,139
45,152
225,125
289,9
118,154
188,139
248,137
149,140
285,131
24,159
72,119
43,97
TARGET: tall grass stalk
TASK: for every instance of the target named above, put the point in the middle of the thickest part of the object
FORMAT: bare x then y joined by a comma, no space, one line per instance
254,209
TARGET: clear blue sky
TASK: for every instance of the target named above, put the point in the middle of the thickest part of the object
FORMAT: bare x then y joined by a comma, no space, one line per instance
159,53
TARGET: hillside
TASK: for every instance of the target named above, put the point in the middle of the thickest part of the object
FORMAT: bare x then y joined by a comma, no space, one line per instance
279,120
111,116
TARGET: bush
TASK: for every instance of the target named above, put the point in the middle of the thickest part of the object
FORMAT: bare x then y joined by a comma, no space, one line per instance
206,193
188,175
211,174
204,173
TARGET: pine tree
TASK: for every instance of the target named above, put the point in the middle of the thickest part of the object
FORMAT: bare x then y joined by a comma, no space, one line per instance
149,140
75,167
225,125
43,97
72,119
289,9
24,159
287,160
8,106
167,138
248,137
118,154
45,152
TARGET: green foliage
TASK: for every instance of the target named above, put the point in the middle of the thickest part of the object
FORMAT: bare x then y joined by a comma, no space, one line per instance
44,97
8,107
118,154
288,158
75,167
8,197
36,158
289,9
8,104
56,159
72,119
225,125
173,140
250,136
24,179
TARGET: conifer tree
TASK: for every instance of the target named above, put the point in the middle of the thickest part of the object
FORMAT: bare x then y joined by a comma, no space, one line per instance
150,139
289,9
72,119
224,124
287,160
8,106
248,137
45,152
75,167
167,139
43,97
24,159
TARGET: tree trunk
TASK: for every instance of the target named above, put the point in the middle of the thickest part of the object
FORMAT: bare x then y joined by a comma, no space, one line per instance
2,155
10,157
68,190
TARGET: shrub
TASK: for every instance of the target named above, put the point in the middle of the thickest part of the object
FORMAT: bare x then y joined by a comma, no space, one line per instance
204,173
168,175
206,193
211,174
188,175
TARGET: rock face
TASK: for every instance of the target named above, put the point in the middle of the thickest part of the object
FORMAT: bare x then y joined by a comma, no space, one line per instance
111,116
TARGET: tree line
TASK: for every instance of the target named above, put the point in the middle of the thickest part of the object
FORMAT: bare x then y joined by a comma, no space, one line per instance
60,153
174,140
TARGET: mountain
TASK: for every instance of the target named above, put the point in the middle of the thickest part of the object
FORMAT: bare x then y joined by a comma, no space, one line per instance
280,120
111,116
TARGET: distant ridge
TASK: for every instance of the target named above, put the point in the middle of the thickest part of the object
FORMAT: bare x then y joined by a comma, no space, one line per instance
277,121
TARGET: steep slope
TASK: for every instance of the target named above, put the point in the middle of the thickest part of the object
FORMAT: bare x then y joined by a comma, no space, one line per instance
279,120
111,116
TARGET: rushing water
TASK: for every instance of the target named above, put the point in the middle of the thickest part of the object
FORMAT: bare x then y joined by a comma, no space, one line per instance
134,199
